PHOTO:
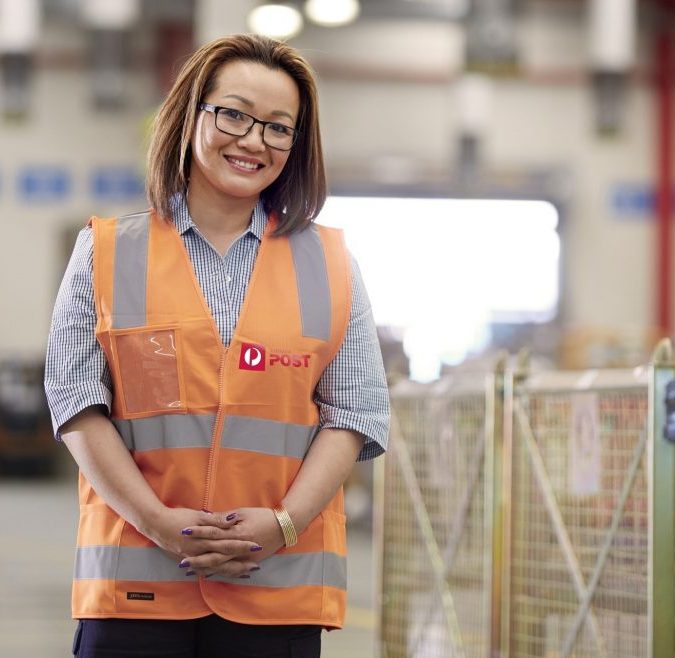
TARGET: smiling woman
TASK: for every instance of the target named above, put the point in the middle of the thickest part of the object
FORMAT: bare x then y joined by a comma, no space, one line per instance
235,156
214,369
299,191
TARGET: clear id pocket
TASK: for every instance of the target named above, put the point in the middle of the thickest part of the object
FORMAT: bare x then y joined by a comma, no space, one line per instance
149,370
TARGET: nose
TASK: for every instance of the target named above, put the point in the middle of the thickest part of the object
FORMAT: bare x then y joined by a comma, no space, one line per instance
253,139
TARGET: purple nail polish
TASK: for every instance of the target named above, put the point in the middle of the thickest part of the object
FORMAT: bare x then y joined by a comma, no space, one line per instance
184,564
230,517
254,569
186,531
245,576
256,548
208,511
189,573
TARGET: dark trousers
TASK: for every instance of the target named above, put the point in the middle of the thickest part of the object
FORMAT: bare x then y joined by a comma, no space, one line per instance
207,637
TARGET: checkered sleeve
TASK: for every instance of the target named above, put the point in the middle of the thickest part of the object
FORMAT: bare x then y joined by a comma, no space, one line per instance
352,392
76,371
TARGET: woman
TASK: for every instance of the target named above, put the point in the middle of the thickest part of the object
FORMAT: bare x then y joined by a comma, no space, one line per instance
214,370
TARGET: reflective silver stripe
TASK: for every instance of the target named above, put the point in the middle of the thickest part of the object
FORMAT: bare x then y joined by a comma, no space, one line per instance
154,565
130,271
312,280
126,563
194,431
292,569
167,431
267,436
94,562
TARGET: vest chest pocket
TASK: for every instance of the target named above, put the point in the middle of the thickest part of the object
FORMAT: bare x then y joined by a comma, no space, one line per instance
147,370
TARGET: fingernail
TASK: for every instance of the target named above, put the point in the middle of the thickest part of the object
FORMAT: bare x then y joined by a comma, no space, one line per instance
230,517
256,548
254,569
208,511
245,576
189,573
184,564
186,531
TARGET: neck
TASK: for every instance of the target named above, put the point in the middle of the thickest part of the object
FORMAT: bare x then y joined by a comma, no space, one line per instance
218,216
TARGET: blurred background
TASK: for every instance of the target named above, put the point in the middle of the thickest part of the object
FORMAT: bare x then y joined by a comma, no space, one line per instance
502,168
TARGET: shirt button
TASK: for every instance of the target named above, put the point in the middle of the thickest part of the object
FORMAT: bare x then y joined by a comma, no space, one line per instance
228,278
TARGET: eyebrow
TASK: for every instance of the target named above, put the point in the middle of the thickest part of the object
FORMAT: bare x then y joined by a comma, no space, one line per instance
250,104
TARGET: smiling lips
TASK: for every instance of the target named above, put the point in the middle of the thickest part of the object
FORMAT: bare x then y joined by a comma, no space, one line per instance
244,165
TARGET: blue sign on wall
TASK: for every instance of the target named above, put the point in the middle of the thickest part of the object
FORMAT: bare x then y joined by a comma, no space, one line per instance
43,183
116,184
632,199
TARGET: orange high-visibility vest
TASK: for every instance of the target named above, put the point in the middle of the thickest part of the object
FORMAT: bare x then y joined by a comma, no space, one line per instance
214,427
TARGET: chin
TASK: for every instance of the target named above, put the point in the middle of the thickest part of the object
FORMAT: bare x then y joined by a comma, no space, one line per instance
239,191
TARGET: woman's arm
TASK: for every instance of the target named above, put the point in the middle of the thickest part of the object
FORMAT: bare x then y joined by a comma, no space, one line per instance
109,467
328,463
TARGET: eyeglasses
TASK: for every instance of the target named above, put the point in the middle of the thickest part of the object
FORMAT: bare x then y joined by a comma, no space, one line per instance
238,123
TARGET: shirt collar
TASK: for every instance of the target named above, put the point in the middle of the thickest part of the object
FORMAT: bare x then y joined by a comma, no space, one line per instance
183,222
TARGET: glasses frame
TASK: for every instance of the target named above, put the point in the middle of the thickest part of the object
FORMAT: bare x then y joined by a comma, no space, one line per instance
214,109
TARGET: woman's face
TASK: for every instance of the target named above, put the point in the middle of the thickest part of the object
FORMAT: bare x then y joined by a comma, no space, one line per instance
242,167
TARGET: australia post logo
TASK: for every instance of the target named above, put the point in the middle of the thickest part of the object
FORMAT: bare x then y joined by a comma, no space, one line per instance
256,357
252,357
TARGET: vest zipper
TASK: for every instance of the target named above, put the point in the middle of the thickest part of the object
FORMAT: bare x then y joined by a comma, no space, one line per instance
218,426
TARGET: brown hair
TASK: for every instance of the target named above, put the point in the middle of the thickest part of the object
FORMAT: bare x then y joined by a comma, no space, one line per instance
298,194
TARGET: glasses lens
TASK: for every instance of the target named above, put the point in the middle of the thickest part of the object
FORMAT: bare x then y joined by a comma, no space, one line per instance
278,136
233,122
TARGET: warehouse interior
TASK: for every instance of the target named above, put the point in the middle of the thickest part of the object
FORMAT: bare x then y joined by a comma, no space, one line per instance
503,171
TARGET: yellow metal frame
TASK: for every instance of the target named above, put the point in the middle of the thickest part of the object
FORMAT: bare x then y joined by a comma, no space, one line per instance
378,552
661,505
495,502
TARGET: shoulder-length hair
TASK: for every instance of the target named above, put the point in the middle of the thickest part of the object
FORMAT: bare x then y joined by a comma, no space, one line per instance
298,194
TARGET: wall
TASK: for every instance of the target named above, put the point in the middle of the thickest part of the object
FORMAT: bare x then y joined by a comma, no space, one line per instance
543,119
61,131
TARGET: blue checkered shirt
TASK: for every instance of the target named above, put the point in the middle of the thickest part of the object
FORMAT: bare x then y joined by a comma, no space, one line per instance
351,394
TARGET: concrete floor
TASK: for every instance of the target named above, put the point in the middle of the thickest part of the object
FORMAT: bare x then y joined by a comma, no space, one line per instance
38,526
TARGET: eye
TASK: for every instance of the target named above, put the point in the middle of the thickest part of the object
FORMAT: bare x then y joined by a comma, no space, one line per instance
233,115
280,129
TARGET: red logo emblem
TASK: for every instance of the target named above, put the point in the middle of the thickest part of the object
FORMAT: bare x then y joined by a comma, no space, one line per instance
252,357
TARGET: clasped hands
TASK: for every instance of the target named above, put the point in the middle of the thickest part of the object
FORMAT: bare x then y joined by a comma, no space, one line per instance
231,543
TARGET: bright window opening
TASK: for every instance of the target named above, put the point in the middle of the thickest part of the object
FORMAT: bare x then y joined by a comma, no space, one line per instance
443,271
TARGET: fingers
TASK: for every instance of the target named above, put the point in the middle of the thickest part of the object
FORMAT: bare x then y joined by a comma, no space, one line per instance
223,520
217,526
214,533
210,564
228,548
211,532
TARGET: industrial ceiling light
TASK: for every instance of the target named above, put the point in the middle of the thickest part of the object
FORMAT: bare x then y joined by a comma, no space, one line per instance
332,13
19,25
279,21
19,35
613,35
109,25
106,15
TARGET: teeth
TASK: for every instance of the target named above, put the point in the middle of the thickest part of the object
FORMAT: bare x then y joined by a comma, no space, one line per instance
241,163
